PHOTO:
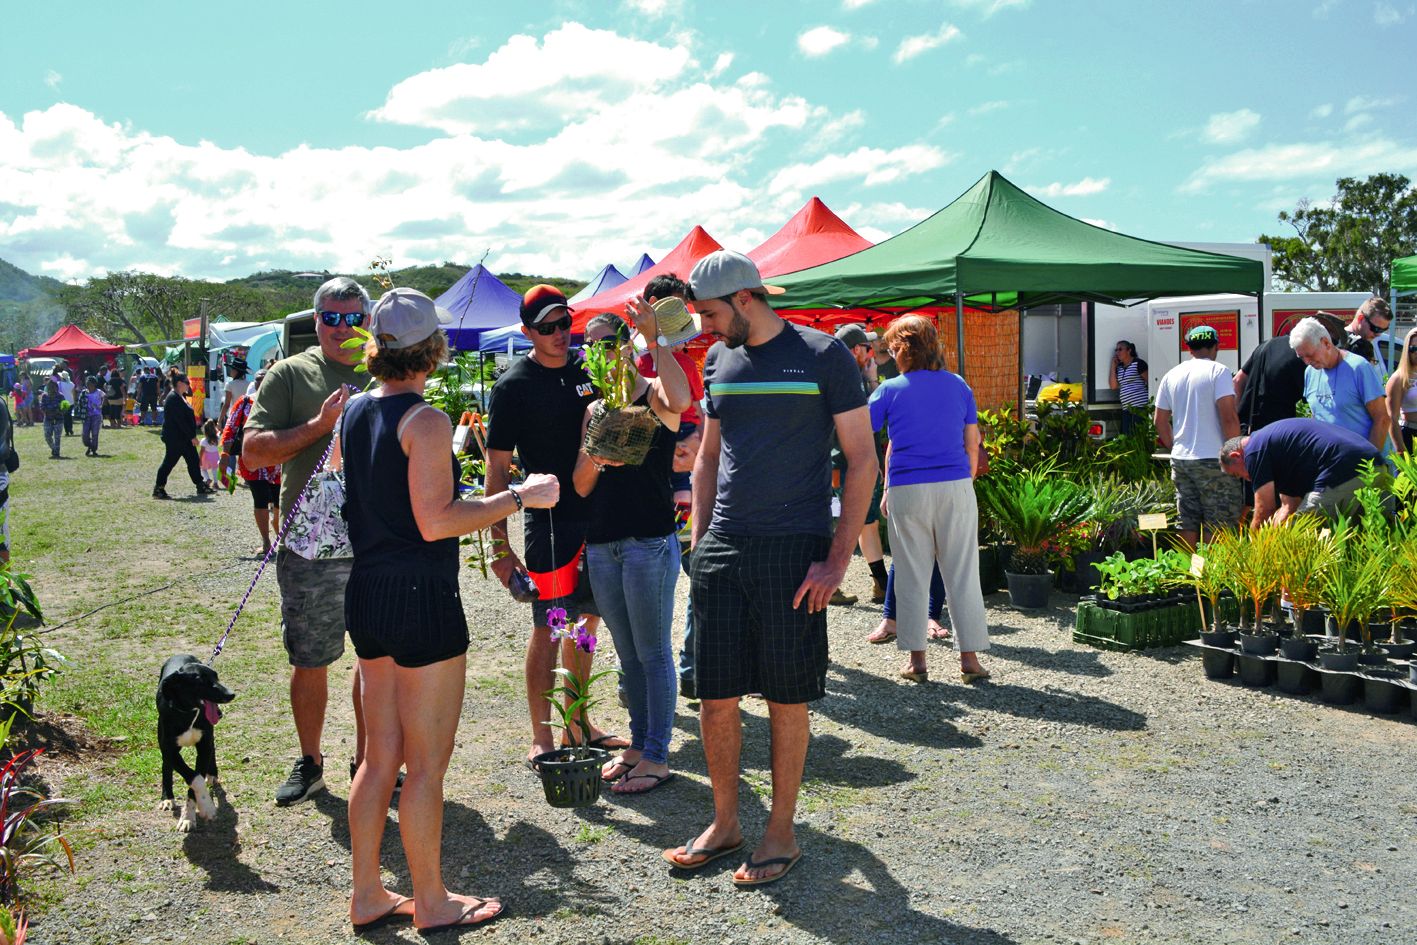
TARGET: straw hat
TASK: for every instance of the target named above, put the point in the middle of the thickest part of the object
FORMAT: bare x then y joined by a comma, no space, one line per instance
677,324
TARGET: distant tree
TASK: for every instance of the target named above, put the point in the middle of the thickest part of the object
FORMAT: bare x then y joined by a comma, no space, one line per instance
142,308
1349,243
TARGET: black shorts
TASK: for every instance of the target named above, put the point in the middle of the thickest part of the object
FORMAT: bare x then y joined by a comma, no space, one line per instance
416,618
558,567
747,635
265,495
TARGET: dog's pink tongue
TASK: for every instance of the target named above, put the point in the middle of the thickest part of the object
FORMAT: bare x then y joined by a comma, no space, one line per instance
210,710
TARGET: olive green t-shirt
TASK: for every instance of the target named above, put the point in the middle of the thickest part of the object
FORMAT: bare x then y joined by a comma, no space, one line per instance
292,393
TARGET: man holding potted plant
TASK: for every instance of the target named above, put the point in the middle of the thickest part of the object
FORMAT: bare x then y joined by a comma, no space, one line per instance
765,559
536,409
1195,414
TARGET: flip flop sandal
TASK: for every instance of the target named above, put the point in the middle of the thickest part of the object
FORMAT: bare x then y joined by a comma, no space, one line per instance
619,763
974,677
709,854
786,862
602,741
659,779
886,638
462,922
392,915
910,674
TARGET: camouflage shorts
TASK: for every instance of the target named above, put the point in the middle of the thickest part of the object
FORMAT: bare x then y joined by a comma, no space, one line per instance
1205,495
312,607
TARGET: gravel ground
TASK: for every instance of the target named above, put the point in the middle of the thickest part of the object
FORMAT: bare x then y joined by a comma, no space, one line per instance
1081,796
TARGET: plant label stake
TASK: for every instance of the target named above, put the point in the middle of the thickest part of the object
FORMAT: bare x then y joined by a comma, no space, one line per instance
1197,567
1152,522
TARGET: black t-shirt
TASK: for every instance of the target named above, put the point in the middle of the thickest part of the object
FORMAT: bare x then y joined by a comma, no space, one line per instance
147,388
179,423
635,501
1274,383
1301,455
1361,346
537,411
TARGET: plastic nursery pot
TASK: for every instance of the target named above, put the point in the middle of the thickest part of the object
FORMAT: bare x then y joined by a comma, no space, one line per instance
1400,651
1312,623
1259,644
1029,591
1298,648
571,776
1372,657
1221,638
1339,688
1382,692
1293,677
1412,676
1256,670
1217,663
1346,662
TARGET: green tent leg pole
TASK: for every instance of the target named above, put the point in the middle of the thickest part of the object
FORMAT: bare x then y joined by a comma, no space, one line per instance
959,331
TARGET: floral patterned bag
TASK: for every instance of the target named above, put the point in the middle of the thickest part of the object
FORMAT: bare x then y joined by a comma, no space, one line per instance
316,527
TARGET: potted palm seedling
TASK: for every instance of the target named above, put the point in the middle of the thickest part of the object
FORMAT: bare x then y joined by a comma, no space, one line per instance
1303,555
1352,590
1032,508
1257,581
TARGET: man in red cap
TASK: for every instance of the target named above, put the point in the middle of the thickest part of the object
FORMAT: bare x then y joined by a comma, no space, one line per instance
536,409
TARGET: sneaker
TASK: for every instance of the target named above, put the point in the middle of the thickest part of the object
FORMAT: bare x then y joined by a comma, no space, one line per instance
686,688
161,494
398,785
842,600
878,592
306,778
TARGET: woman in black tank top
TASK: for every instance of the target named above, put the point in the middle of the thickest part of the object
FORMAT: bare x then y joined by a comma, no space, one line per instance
632,557
403,609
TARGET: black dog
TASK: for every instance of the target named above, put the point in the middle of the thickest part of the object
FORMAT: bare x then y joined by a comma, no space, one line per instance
188,693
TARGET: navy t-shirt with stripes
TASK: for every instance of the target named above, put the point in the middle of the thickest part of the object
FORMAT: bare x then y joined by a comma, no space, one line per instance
775,404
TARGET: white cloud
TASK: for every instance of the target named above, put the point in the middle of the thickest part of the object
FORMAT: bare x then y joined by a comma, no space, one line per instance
1321,111
1083,188
548,162
855,4
1021,159
989,7
871,166
1364,103
1323,8
1385,14
1360,120
52,79
984,108
1306,161
912,46
820,40
1230,127
653,8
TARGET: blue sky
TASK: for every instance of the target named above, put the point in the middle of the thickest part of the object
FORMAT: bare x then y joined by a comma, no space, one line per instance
213,141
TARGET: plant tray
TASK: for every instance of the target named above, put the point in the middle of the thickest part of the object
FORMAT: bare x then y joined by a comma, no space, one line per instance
1144,630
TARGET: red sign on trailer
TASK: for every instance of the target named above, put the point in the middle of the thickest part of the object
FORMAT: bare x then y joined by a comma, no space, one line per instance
1226,324
1286,318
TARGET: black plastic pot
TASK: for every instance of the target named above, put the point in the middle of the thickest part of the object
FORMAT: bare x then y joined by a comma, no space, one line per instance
1293,677
1340,688
1298,648
1373,657
1312,623
1259,644
1381,691
1339,662
1400,651
1223,638
1218,664
1256,670
568,780
1083,579
1029,591
1412,676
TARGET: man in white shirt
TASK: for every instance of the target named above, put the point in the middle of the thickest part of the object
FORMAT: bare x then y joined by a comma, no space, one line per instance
1195,415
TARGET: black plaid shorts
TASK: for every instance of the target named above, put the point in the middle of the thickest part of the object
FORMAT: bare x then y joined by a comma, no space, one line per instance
747,635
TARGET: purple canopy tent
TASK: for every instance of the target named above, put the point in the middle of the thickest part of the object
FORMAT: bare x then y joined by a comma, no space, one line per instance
479,302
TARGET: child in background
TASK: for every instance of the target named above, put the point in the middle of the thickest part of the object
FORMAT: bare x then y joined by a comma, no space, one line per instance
211,454
91,409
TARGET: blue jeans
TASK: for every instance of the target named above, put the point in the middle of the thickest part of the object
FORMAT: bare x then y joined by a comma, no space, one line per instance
686,653
937,595
633,581
53,434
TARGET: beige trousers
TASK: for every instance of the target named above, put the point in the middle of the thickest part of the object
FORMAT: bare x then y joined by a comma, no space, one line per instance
937,522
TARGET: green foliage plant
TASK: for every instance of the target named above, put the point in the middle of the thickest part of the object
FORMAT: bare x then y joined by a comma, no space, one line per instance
1256,577
612,373
1032,507
1354,586
25,663
1211,574
1303,553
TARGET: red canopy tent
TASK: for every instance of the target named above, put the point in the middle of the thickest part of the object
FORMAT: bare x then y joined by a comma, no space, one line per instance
679,261
73,342
813,236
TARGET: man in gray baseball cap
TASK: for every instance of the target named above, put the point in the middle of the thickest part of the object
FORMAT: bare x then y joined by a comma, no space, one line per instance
765,561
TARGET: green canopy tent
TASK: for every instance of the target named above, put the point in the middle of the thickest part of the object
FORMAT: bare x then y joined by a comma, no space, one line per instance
1404,276
998,247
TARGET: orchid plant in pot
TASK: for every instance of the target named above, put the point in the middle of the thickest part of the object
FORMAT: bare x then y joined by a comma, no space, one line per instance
570,775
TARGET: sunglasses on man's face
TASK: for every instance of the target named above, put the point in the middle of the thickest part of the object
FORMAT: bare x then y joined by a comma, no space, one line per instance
550,328
332,319
1374,327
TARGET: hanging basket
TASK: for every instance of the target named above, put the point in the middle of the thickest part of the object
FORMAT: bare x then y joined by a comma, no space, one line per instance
624,435
571,776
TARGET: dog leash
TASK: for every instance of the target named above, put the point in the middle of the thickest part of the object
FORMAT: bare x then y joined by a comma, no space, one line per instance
289,520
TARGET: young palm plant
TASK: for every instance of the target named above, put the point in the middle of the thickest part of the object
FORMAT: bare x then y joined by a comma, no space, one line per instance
1353,588
1032,508
1304,553
1258,579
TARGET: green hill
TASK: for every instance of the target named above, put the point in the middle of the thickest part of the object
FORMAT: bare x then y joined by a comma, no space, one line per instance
16,285
294,289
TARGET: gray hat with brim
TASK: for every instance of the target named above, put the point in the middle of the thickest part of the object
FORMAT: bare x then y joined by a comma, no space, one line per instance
403,317
725,272
853,335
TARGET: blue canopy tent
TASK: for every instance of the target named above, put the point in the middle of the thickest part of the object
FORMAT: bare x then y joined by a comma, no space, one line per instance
479,302
644,263
607,278
509,339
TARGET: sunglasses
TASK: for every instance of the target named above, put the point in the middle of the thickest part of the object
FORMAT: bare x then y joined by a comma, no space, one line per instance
550,328
351,319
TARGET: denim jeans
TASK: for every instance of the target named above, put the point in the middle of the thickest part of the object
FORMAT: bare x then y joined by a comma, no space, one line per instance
633,580
53,434
92,424
937,594
686,652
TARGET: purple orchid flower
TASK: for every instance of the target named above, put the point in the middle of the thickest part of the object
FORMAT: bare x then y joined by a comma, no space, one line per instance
556,619
585,640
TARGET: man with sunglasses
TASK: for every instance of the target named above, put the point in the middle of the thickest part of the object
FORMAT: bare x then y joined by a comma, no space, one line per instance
536,409
291,423
1371,319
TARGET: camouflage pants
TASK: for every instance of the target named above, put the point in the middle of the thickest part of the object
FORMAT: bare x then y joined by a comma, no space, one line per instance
1205,495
